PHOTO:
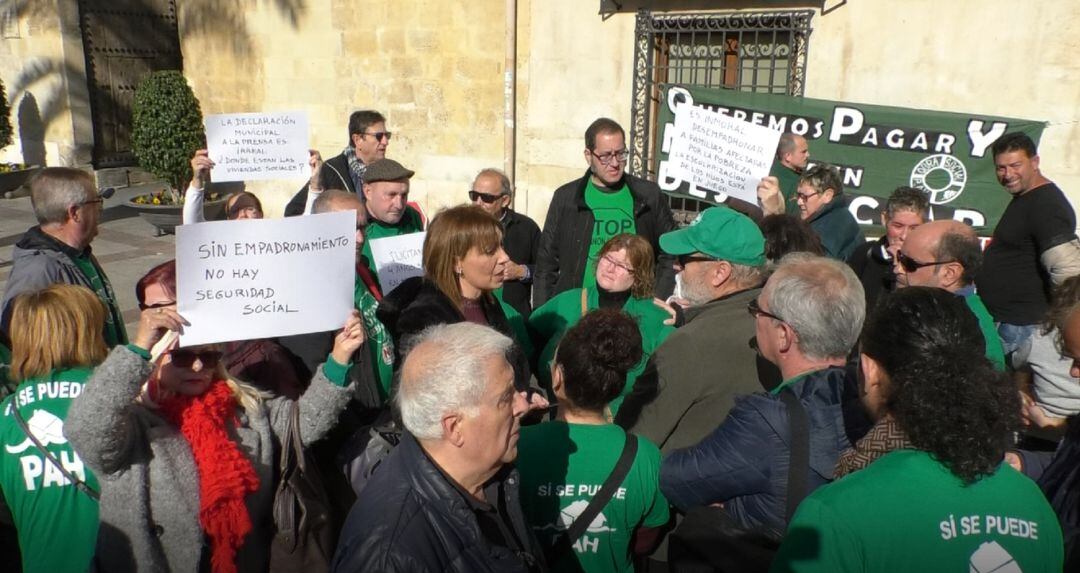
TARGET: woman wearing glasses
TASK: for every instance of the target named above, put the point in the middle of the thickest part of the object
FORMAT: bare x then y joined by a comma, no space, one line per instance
186,453
57,340
821,201
624,281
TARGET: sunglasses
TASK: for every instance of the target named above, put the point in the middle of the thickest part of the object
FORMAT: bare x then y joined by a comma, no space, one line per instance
910,265
489,199
755,311
185,358
380,135
687,259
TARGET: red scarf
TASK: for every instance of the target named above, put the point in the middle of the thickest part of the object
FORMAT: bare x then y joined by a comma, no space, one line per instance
225,474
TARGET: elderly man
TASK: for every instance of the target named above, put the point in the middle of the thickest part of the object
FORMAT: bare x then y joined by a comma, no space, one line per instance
368,140
692,379
491,191
946,255
586,212
807,319
57,250
447,497
386,198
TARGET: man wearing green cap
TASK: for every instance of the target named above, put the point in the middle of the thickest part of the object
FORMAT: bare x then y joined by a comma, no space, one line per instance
692,379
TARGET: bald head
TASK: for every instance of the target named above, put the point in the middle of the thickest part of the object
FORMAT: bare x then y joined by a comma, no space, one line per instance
953,249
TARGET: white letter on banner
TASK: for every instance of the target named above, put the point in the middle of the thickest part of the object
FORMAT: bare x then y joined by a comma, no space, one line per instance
845,121
979,140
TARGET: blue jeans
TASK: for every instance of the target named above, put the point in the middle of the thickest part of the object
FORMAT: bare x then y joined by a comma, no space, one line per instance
1013,335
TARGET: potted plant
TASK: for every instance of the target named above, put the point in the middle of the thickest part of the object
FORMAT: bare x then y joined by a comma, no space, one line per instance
12,175
167,128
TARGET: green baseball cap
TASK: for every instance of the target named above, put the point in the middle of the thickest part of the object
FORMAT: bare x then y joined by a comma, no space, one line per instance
719,232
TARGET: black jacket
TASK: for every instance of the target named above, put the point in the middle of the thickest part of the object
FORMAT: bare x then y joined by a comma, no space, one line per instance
334,175
875,272
521,240
417,304
564,244
412,519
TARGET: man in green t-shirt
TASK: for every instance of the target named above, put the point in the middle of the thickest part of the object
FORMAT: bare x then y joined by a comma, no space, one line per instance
946,255
386,198
57,250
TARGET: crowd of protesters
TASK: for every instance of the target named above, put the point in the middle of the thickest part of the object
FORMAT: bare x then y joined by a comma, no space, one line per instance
763,389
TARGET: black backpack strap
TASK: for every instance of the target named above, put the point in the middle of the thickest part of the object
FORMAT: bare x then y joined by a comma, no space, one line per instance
71,477
799,461
565,541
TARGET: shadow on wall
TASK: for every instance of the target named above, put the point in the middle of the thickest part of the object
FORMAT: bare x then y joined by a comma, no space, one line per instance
223,23
31,131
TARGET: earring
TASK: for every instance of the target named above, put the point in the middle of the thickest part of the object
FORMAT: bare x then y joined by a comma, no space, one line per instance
458,272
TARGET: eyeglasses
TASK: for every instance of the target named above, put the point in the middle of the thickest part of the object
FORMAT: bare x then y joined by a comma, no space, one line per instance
613,157
609,260
486,198
185,358
379,135
684,260
910,265
805,196
755,311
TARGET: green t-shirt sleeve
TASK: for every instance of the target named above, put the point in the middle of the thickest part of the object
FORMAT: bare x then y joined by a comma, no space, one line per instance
143,353
335,371
818,540
658,512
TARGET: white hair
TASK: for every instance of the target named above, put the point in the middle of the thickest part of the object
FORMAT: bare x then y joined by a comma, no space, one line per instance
822,300
450,379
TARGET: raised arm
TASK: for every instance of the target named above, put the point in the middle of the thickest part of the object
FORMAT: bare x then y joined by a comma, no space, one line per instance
200,179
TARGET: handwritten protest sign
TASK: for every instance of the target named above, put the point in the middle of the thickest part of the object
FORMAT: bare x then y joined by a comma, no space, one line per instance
397,258
719,153
258,278
253,146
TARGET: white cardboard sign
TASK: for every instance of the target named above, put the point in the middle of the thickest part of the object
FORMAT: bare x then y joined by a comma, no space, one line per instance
722,154
258,278
397,258
255,146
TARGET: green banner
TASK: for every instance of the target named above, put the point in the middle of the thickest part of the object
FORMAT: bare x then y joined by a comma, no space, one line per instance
877,149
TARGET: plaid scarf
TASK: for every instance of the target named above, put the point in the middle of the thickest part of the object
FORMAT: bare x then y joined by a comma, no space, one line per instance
883,438
356,168
226,475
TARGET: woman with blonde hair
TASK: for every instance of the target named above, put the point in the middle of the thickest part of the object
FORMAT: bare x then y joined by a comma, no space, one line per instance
188,471
56,336
624,281
464,266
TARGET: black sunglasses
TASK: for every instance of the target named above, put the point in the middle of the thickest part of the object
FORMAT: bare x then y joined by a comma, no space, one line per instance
687,259
910,265
379,135
489,199
185,358
755,311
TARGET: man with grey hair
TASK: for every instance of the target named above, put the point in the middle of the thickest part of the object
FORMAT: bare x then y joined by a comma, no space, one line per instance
492,192
447,497
692,379
57,250
807,320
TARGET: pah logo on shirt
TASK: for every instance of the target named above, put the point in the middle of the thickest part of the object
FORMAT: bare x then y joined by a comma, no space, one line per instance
49,430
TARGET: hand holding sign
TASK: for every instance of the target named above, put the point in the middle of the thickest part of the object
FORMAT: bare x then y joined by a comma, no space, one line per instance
154,323
349,339
200,169
315,162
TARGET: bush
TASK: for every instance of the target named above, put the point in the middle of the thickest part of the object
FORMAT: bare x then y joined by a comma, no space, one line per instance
5,118
167,127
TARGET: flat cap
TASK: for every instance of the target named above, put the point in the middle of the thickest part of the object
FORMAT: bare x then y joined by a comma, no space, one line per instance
386,170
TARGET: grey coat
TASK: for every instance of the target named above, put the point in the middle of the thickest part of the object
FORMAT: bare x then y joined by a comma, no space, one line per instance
149,483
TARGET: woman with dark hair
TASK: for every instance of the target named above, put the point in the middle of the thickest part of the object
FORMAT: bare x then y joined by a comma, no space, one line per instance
464,265
581,448
926,489
821,201
624,281
186,453
261,362
788,234
56,336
